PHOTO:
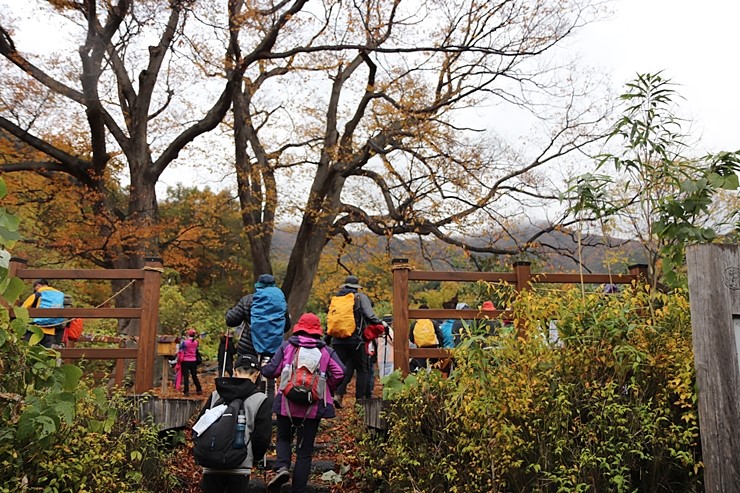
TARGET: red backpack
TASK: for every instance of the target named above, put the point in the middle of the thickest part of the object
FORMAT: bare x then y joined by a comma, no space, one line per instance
302,386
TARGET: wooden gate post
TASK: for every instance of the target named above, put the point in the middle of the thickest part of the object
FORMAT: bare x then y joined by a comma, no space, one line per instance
523,271
714,292
148,326
400,267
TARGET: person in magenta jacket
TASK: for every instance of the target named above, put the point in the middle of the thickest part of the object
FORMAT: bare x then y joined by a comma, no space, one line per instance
189,366
304,418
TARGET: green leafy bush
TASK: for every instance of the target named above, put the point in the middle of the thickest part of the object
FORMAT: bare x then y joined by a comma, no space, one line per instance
57,434
609,406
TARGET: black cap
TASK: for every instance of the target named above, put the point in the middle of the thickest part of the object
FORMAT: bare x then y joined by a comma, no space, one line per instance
246,361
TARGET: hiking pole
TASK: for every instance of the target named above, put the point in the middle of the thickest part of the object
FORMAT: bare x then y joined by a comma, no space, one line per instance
226,352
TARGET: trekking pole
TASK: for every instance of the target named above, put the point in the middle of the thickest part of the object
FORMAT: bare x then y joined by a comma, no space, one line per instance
226,352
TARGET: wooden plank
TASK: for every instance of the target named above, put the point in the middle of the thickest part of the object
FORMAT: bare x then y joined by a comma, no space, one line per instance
85,312
106,274
429,352
400,315
372,413
443,314
587,278
421,275
98,353
168,413
714,289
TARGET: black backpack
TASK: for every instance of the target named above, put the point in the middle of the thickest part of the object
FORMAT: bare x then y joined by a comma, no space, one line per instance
215,447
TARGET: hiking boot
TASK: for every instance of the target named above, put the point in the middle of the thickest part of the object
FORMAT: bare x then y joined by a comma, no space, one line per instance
282,476
338,401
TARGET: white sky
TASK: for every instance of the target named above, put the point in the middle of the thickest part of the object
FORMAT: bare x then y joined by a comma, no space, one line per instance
694,43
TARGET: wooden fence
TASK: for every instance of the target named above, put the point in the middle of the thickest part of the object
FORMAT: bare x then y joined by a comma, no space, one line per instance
521,278
148,315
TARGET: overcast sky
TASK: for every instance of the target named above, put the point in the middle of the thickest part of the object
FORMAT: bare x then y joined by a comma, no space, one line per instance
694,43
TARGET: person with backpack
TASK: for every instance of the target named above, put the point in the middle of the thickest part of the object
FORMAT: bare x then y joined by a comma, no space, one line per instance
234,429
425,333
310,371
189,363
239,316
44,296
448,341
265,320
349,312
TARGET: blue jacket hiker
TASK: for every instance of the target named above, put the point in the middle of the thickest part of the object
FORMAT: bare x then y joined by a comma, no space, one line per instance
310,373
265,319
238,453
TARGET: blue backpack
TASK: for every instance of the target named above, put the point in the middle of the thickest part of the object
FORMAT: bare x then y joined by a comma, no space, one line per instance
49,298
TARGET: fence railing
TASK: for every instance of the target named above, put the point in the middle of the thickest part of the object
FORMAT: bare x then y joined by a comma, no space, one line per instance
521,278
147,314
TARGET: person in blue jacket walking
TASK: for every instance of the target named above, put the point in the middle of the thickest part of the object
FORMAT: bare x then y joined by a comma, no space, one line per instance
269,320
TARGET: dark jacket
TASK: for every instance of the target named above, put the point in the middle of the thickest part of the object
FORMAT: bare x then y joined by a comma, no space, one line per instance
334,375
228,389
364,315
240,313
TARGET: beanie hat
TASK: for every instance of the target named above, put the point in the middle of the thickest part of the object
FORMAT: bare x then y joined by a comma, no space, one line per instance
266,279
352,282
309,324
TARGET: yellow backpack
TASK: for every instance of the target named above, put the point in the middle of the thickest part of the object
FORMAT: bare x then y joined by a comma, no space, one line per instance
424,335
340,321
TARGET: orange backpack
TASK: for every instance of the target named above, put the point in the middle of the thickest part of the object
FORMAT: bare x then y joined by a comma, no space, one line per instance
340,321
74,329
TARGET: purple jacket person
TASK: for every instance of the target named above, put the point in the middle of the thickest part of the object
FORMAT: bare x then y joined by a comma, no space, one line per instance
304,418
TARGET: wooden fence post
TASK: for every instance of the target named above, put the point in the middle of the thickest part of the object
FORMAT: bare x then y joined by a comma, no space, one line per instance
714,292
15,264
148,327
640,271
400,267
523,271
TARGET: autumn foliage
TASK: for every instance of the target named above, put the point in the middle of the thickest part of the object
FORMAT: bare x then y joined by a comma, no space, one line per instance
609,406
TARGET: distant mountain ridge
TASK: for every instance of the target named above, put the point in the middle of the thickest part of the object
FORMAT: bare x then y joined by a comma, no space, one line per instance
558,251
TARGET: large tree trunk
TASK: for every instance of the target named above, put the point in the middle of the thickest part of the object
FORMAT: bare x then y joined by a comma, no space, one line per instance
140,241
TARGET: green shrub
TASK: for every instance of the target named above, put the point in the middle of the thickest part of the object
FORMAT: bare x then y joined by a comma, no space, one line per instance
610,406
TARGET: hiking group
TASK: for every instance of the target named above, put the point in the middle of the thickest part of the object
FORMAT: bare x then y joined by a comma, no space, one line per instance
234,428
56,331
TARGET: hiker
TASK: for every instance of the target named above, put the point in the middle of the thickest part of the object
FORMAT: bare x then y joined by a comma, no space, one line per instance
425,333
310,371
489,324
448,341
265,318
460,326
226,353
44,296
349,312
370,334
189,363
256,409
385,348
